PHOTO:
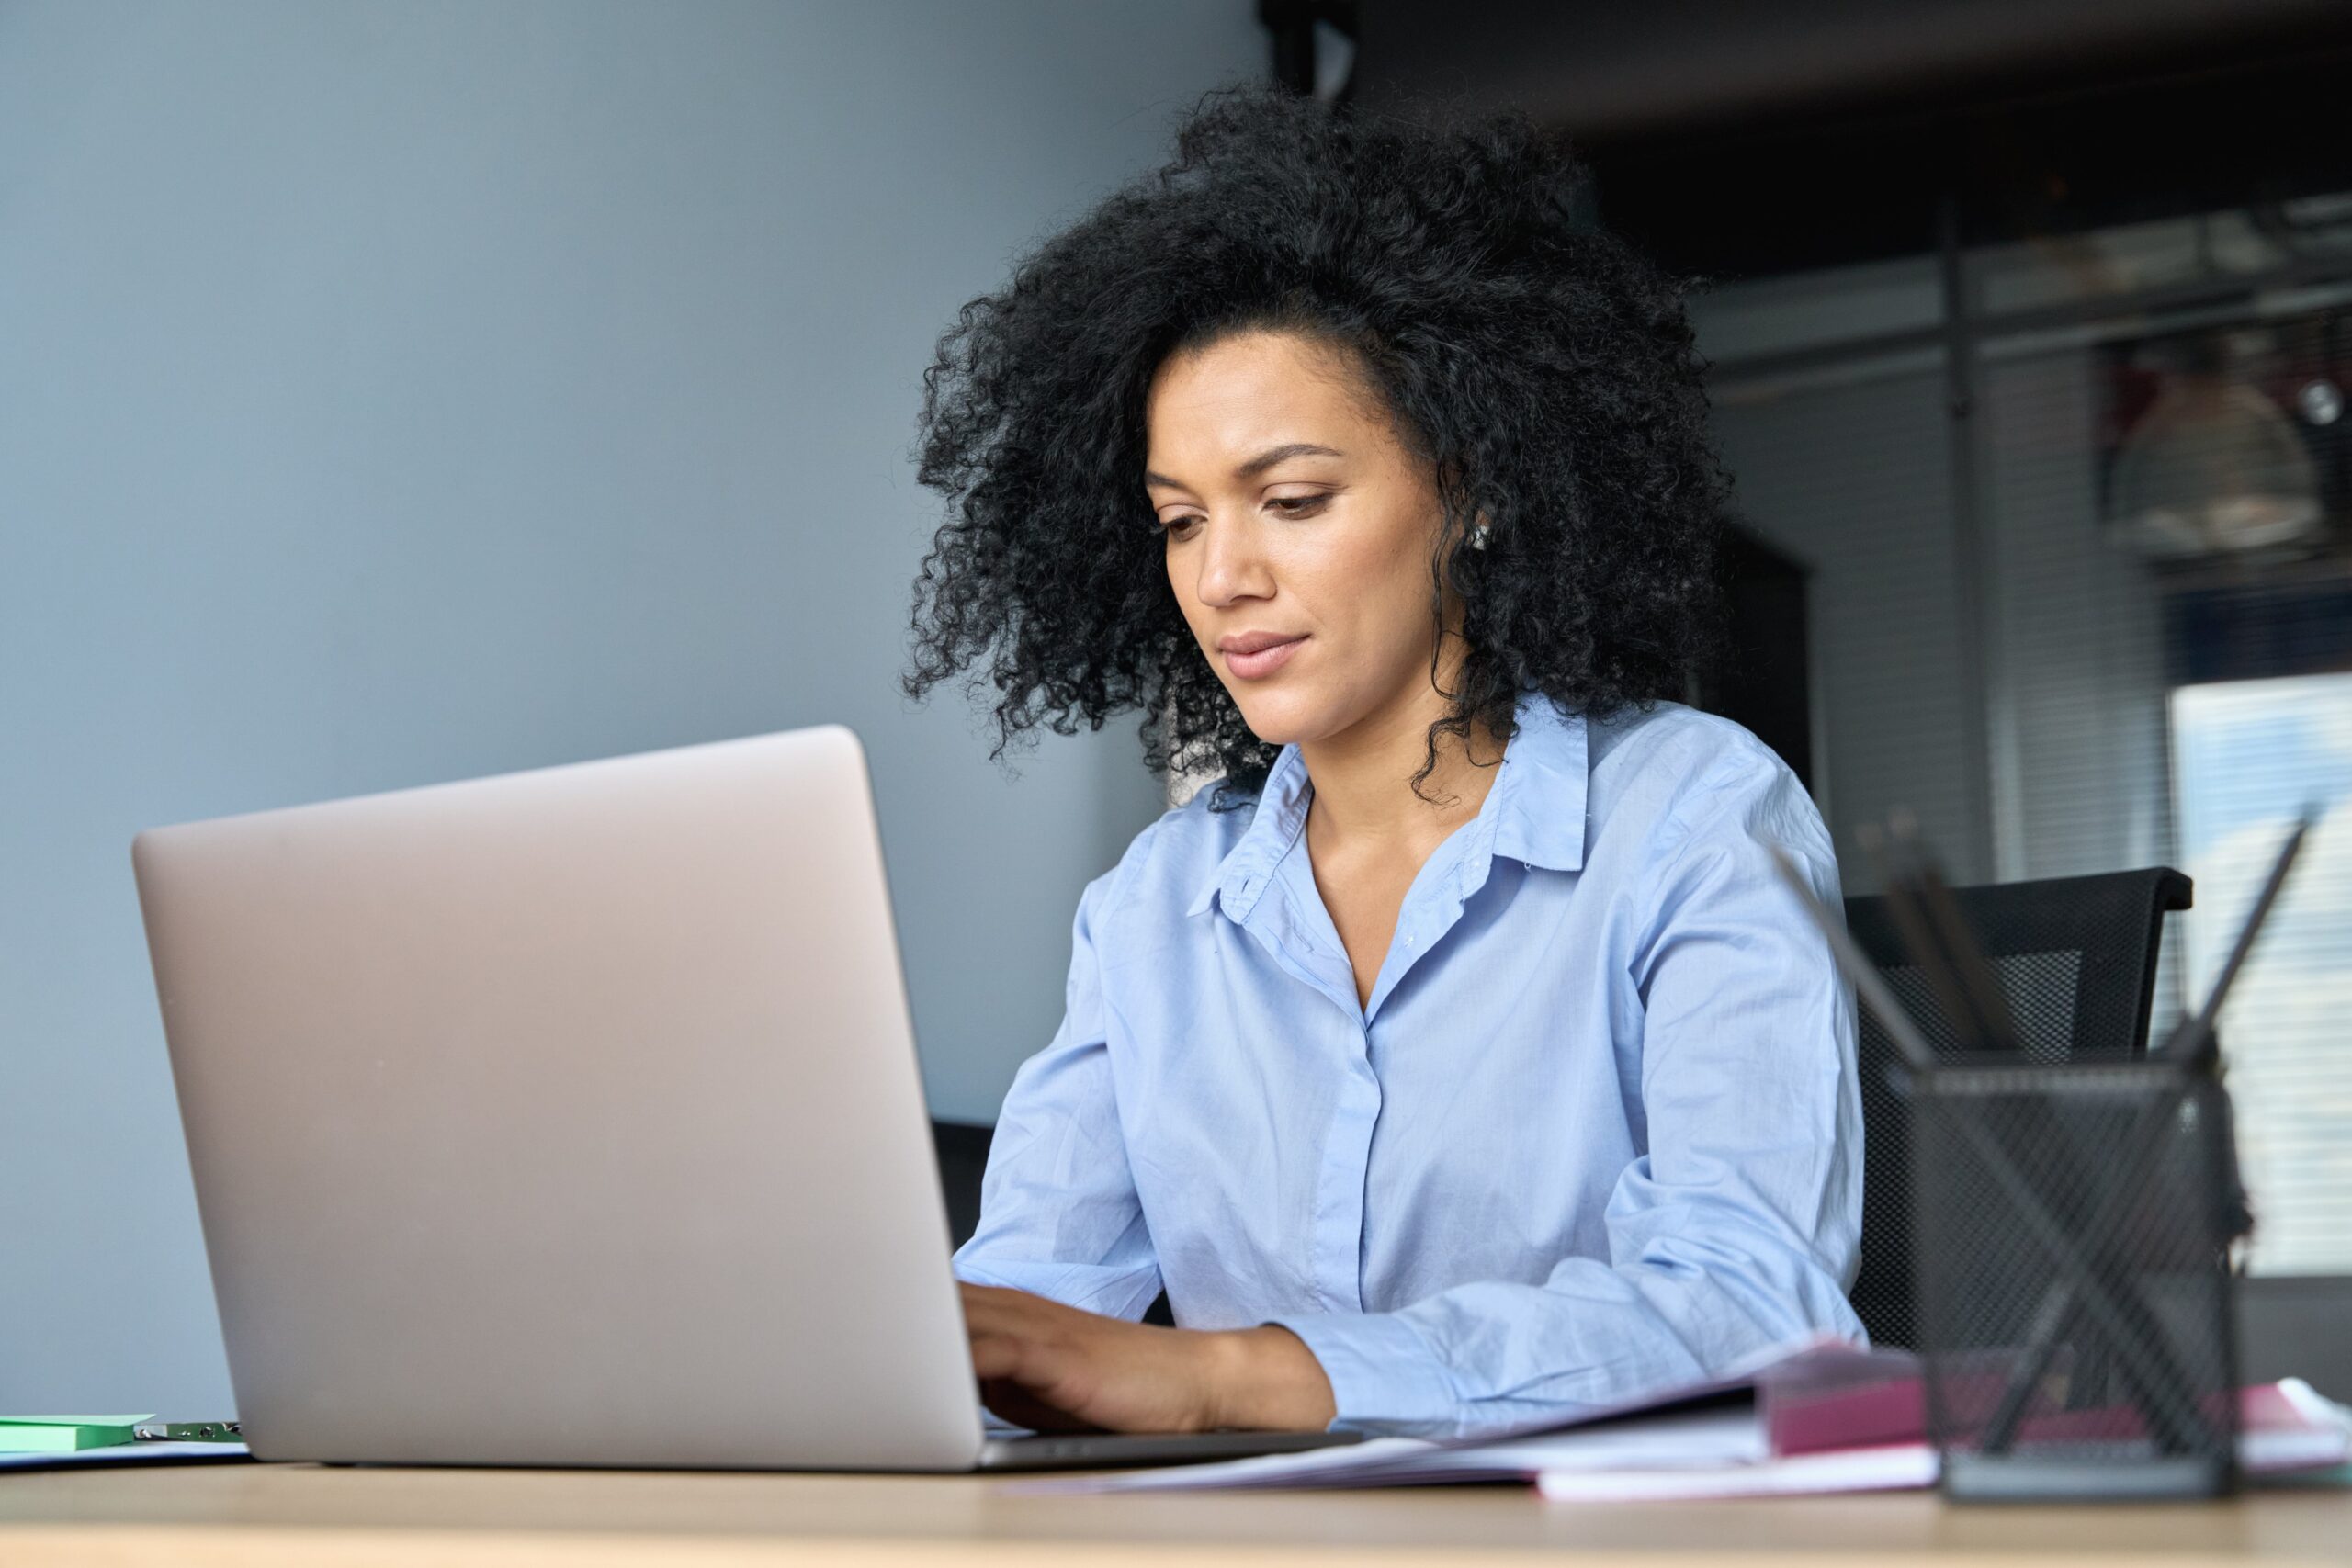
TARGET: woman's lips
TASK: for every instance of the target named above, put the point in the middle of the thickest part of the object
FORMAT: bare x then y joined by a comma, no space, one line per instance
1264,662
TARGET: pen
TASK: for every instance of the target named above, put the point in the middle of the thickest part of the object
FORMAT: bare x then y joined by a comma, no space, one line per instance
2190,1043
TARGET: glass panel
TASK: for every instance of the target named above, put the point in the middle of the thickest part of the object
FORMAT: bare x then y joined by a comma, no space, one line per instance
2248,755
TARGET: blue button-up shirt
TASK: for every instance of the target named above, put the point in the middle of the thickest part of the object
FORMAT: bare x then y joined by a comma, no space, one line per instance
1596,1130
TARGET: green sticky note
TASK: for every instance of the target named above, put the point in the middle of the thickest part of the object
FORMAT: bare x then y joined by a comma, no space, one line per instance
65,1434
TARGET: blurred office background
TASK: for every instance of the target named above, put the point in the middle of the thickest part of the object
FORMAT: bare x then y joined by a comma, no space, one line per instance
397,392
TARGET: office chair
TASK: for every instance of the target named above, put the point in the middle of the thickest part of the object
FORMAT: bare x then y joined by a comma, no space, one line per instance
963,1150
2076,957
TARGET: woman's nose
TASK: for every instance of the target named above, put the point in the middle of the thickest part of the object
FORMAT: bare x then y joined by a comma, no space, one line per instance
1232,566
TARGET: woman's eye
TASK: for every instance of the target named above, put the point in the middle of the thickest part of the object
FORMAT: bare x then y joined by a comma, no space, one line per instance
1288,505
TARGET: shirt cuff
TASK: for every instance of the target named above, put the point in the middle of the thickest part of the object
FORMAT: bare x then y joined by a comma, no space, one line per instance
1384,1376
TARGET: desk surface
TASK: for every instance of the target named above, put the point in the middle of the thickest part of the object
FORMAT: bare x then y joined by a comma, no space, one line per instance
269,1515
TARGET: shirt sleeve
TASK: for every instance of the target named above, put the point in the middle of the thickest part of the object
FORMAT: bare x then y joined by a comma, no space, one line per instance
1059,1211
1737,1228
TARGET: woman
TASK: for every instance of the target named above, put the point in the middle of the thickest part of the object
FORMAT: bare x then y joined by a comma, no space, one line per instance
1456,1059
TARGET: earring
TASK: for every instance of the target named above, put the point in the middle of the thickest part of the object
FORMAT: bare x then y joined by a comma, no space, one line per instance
1479,538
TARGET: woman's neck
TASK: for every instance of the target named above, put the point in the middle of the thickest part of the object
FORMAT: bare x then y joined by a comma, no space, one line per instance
1362,779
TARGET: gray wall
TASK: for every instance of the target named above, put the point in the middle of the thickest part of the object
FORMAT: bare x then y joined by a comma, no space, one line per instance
399,392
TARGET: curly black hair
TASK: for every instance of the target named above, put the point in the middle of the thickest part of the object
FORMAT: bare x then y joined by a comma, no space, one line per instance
1542,367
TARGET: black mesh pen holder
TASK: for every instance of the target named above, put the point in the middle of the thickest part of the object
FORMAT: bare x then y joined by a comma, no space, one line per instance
2074,1224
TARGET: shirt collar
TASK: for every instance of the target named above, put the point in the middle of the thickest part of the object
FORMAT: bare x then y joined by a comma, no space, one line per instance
1537,801
1235,881
1534,812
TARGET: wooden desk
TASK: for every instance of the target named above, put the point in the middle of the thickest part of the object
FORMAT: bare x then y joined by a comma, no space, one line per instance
281,1515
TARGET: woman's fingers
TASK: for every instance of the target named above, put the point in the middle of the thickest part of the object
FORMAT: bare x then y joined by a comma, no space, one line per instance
1017,1405
997,1355
1078,1370
1017,1356
980,1310
1013,1358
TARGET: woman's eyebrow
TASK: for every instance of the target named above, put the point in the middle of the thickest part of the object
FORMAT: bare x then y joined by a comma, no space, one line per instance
1256,465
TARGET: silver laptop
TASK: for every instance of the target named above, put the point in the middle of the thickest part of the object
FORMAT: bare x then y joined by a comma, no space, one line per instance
571,1117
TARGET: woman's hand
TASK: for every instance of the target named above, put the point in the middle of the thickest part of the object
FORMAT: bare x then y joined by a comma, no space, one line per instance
1056,1368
